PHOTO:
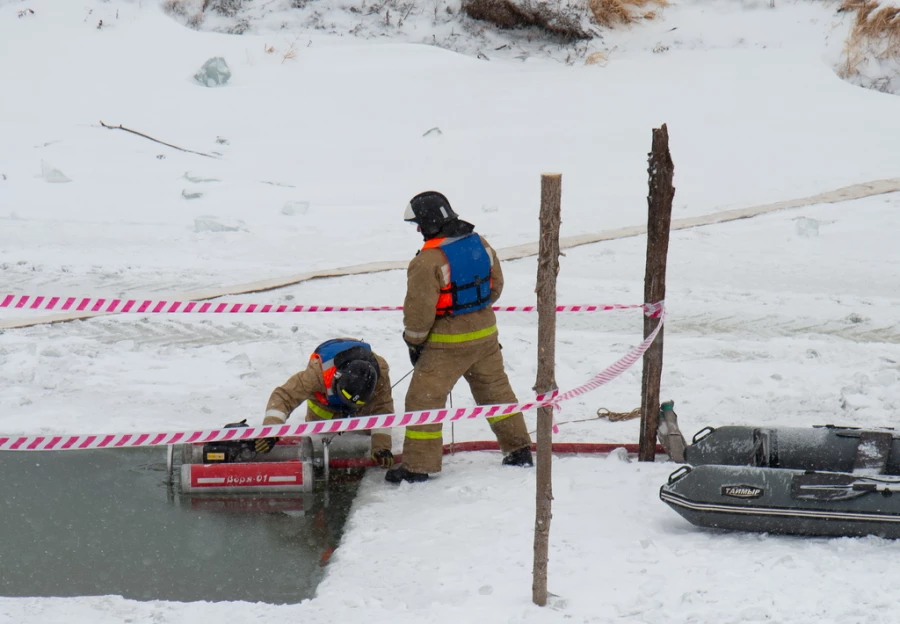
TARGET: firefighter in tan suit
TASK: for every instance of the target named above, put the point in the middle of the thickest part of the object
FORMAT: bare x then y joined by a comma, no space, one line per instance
451,332
343,378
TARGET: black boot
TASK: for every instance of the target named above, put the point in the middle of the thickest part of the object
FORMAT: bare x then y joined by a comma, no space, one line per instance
400,473
521,457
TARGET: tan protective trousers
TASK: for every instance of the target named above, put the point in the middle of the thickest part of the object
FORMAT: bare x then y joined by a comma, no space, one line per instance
435,374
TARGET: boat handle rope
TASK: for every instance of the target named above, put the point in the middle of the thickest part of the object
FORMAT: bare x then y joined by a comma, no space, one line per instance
702,434
682,471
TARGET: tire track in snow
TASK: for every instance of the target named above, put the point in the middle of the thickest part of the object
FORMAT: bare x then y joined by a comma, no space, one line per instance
169,332
28,279
847,193
772,326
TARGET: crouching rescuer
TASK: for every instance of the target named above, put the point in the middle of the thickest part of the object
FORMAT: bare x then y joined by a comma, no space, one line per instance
451,332
344,378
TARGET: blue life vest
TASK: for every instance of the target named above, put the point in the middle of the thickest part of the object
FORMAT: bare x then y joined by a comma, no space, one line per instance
469,289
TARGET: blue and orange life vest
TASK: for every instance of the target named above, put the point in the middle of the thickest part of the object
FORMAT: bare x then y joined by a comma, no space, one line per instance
331,354
469,284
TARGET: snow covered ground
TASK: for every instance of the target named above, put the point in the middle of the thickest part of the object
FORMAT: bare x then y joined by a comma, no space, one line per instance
788,318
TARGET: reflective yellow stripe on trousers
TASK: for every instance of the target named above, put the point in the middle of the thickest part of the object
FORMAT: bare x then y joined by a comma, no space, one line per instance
320,411
493,419
423,435
475,335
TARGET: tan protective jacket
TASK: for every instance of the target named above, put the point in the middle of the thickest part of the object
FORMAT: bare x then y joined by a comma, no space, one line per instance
302,387
428,272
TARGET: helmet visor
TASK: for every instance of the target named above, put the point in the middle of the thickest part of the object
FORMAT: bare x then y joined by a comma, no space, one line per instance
408,214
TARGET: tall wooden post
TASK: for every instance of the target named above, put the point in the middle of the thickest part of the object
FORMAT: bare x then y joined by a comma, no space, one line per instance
659,219
548,267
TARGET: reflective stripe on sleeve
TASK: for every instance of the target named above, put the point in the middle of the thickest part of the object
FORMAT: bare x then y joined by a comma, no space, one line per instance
320,411
414,334
475,335
274,413
423,435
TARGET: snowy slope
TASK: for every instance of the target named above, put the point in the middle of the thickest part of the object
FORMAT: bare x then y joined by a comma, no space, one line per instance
341,125
784,319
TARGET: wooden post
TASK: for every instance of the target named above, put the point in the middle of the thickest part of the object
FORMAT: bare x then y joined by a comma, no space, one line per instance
548,267
659,219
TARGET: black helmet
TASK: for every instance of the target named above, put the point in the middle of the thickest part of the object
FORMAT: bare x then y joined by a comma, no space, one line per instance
431,211
354,383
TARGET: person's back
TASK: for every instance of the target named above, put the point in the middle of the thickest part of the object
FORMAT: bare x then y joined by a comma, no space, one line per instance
429,273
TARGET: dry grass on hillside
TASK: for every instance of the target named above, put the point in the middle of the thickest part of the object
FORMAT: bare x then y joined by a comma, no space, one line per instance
612,12
561,21
874,36
568,20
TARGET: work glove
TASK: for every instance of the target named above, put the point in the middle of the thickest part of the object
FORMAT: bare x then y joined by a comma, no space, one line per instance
383,458
264,445
415,350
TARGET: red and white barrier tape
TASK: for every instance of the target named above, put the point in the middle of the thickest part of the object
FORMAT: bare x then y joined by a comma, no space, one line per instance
152,306
611,372
357,423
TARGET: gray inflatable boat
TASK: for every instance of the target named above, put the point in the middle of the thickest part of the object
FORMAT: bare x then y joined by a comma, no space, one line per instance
834,481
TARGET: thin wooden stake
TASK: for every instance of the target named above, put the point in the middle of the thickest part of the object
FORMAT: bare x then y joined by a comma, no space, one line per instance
659,220
548,267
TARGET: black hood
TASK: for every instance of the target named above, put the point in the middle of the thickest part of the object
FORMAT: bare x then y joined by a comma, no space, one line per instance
452,229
